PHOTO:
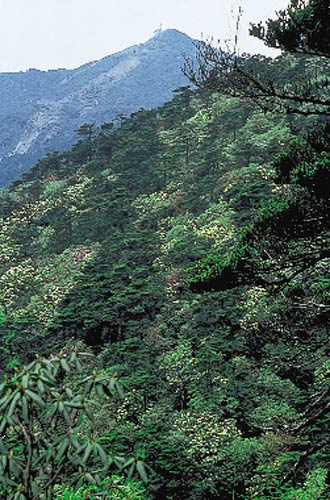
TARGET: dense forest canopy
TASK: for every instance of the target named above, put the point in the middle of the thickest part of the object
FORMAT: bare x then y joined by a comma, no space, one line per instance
171,275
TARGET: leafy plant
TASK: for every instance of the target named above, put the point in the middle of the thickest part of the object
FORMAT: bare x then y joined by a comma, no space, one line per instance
115,488
46,426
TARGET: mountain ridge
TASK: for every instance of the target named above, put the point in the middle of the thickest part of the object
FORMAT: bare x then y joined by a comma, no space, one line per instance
40,110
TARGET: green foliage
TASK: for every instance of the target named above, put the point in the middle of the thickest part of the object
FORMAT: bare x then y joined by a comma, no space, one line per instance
114,488
7,341
189,248
42,416
301,27
314,176
217,265
306,162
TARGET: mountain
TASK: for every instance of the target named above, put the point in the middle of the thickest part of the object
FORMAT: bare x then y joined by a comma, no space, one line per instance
40,110
195,264
165,296
188,249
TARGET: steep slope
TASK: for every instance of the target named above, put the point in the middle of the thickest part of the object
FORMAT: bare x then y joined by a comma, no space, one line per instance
227,389
40,111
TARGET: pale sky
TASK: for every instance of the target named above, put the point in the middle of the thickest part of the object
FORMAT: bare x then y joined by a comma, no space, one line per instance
51,34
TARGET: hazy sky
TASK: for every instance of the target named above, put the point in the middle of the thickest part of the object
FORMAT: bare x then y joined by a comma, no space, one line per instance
47,34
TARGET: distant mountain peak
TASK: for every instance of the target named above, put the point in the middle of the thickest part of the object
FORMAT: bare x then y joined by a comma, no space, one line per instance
170,35
170,32
41,110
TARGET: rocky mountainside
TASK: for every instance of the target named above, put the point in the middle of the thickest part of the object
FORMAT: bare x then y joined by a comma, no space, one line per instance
40,110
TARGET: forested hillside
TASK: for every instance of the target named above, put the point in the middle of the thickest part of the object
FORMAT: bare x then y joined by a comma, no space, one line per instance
186,254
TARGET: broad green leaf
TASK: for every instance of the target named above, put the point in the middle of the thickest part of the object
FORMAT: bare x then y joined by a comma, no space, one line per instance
62,449
142,471
35,397
87,453
13,404
90,478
